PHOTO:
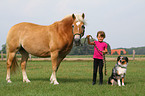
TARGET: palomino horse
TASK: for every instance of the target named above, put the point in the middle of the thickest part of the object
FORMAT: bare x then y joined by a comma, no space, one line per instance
53,41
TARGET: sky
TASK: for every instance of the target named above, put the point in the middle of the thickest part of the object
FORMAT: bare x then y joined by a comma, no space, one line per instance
123,21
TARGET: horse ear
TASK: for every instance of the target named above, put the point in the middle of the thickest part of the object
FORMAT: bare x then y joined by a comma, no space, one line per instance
73,16
83,15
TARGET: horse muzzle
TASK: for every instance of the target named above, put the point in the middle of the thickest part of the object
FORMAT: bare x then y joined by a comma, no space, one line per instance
77,40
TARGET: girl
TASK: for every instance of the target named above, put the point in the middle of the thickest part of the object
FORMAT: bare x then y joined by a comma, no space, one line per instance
98,56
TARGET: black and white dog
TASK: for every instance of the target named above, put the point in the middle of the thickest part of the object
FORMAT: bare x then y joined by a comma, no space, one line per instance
119,71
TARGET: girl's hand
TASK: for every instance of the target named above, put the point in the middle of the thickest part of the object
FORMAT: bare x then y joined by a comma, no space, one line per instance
90,43
104,52
88,36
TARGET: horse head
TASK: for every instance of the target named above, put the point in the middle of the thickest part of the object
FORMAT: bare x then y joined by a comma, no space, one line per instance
78,28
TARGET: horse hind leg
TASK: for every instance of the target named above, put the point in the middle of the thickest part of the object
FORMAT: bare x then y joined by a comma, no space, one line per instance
11,60
25,56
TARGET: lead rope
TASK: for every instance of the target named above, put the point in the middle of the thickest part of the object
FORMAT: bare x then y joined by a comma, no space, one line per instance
104,60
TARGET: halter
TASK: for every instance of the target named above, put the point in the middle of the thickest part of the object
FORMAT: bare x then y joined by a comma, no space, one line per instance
78,34
81,34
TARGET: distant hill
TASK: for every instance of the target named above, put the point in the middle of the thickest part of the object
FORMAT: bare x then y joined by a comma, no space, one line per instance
138,50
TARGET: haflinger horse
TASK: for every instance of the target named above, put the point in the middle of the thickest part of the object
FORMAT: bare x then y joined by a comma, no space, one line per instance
55,41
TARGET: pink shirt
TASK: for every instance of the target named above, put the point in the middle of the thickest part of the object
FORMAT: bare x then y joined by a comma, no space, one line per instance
101,46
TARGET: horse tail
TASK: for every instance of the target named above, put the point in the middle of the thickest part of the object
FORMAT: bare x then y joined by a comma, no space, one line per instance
14,64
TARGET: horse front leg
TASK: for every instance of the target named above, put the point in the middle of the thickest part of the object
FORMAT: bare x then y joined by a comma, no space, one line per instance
54,60
58,64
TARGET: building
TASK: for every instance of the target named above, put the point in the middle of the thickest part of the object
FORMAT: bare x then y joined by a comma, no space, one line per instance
118,51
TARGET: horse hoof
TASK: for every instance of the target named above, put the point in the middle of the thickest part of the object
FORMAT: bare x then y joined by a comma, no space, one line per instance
51,79
56,83
9,81
51,82
27,81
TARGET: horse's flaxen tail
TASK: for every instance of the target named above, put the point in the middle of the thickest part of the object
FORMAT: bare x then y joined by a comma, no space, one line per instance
14,65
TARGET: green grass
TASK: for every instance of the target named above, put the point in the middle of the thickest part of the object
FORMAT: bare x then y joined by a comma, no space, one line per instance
107,56
75,78
84,56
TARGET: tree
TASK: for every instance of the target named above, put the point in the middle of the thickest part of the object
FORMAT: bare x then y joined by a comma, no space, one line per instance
121,53
4,48
115,53
85,49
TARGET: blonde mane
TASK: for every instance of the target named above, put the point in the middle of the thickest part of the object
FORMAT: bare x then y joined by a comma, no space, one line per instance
78,18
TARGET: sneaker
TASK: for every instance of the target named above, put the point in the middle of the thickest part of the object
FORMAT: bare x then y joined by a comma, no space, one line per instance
93,83
100,83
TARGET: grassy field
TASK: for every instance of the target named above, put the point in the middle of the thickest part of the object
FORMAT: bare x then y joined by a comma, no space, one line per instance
75,78
84,56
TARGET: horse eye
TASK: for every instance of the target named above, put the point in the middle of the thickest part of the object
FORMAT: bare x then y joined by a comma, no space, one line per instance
72,26
83,26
